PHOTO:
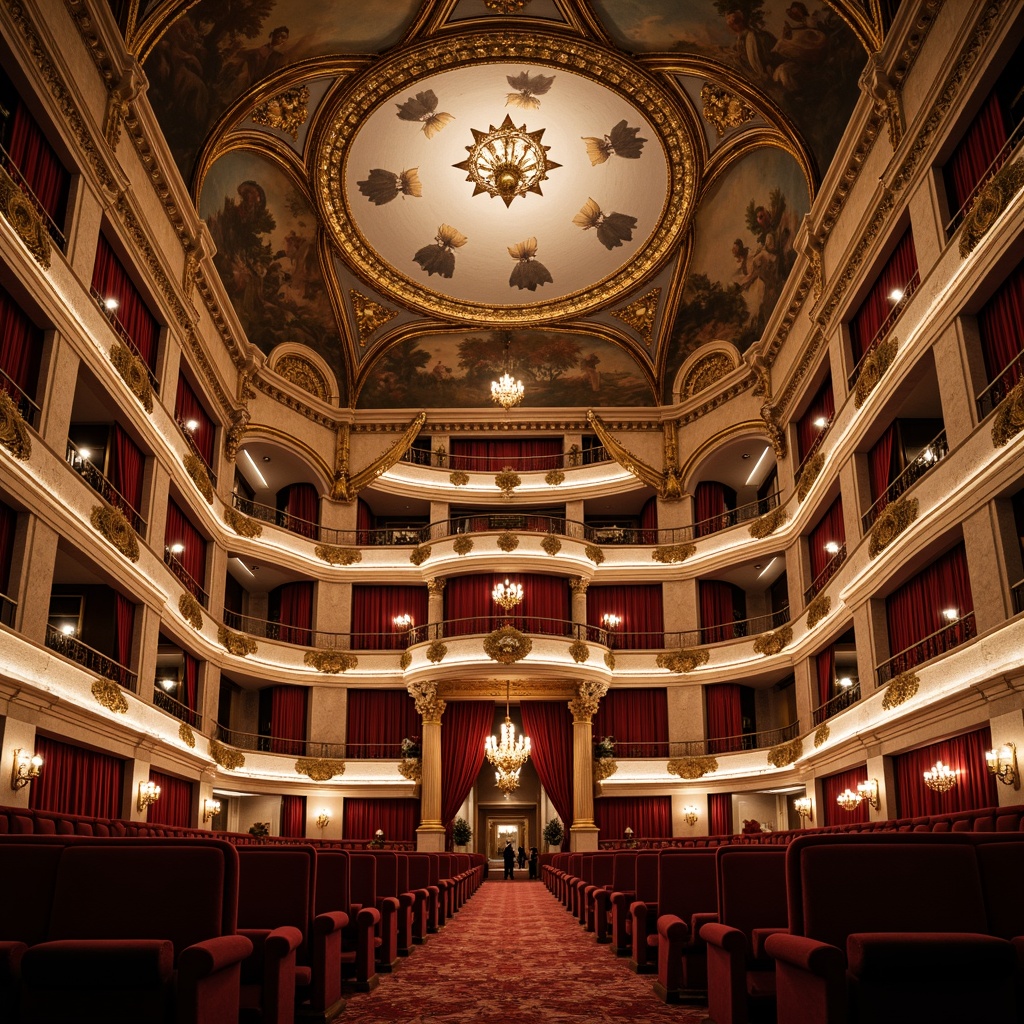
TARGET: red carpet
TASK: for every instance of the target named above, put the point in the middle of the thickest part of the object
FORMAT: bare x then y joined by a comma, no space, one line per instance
513,953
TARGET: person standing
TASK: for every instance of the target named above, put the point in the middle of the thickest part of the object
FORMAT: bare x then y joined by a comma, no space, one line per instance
534,861
522,858
509,857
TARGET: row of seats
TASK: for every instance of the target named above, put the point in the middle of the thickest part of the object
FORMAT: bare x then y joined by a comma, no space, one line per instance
829,929
200,930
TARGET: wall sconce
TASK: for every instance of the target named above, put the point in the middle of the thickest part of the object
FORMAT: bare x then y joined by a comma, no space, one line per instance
211,808
832,548
611,621
323,819
26,768
1002,763
177,548
402,621
191,426
804,807
941,778
868,790
690,814
848,800
149,793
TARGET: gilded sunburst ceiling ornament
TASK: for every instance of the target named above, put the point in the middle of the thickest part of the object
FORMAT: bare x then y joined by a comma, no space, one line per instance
370,315
640,313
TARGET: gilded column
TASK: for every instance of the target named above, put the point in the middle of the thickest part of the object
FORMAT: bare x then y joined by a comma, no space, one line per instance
583,706
435,609
578,585
430,834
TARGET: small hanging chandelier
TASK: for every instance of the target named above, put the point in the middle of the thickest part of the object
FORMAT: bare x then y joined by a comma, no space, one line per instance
509,756
506,390
507,595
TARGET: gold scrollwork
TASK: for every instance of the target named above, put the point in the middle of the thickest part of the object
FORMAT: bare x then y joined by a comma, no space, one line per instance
303,374
507,645
773,642
506,6
768,523
551,544
132,371
197,471
594,553
458,478
605,768
411,768
584,704
419,554
507,541
507,481
877,361
692,767
112,523
554,477
821,734
334,554
236,643
286,112
811,472
463,545
436,652
405,660
891,522
900,689
783,754
609,660
722,109
226,757
683,660
818,609
14,435
705,373
186,735
330,662
320,769
580,651
640,313
191,610
109,694
370,315
1009,417
244,526
670,553
989,205
19,211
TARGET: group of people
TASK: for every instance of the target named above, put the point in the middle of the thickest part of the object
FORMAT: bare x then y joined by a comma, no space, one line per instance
510,857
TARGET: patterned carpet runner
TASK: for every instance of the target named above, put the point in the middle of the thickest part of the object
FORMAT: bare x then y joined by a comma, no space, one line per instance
513,953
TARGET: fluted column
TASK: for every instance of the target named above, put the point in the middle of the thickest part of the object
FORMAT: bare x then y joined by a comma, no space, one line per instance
430,834
435,609
583,706
578,585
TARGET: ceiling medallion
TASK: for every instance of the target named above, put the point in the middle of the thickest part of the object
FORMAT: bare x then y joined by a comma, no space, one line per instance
506,161
506,6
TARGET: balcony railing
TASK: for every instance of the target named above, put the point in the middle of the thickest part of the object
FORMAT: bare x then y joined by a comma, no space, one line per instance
820,581
845,698
535,624
935,451
279,745
194,448
26,407
73,648
942,640
734,516
8,608
818,441
887,325
1018,597
735,744
165,702
520,463
122,332
191,585
726,631
1000,387
55,233
278,517
89,472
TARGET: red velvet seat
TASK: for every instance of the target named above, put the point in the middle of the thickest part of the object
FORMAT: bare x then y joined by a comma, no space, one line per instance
622,882
602,866
388,885
358,942
642,921
419,880
363,891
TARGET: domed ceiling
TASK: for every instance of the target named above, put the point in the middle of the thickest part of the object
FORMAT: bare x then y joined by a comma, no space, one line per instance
421,193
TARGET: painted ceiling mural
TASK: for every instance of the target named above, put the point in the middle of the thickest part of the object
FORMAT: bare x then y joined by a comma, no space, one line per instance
478,173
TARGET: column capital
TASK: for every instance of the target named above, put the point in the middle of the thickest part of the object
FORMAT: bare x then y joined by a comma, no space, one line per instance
578,585
588,695
435,587
428,704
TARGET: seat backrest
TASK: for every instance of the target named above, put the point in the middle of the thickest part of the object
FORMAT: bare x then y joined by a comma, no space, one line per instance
445,866
462,862
687,882
387,872
31,873
332,886
277,886
647,876
419,870
1002,881
602,868
362,879
623,871
751,887
403,872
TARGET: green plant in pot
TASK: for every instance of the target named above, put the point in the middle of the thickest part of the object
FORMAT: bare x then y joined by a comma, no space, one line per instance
461,832
260,829
553,832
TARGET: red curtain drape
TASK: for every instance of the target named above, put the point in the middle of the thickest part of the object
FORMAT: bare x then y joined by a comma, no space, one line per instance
293,817
364,523
189,695
521,454
724,717
549,726
981,144
469,607
825,665
712,502
75,780
880,464
637,719
180,531
716,611
650,817
467,724
295,612
822,407
174,808
975,787
377,721
897,273
999,325
830,528
126,469
288,706
398,818
649,522
38,163
124,621
8,525
21,343
301,505
111,280
639,605
720,814
915,610
832,786
187,406
373,612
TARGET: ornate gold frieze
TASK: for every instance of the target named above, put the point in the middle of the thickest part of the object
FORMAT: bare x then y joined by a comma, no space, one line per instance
594,553
1009,417
133,372
821,734
411,768
587,699
420,554
507,481
226,757
320,769
580,651
428,703
692,767
457,478
330,662
609,660
186,735
370,315
305,375
236,643
876,362
286,112
683,660
110,695
507,541
235,433
891,522
436,652
773,642
333,554
191,610
578,584
989,204
705,373
784,754
767,524
111,522
28,224
463,545
554,477
14,433
670,553
346,487
639,314
900,689
551,544
289,401
244,526
811,472
197,471
818,609
507,645
722,109
605,768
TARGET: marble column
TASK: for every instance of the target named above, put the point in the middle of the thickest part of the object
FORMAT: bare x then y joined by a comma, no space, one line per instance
430,834
584,835
578,585
435,610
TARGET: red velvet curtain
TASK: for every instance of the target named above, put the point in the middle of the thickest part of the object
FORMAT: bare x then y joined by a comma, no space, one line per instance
876,307
720,814
711,505
975,786
111,280
364,523
825,664
491,456
124,620
126,471
293,817
190,692
716,611
75,780
823,406
639,605
830,528
724,717
981,144
187,406
915,610
999,325
649,522
465,727
180,531
378,720
288,706
20,345
397,817
544,608
549,726
174,808
8,525
295,613
650,817
38,163
832,786
637,719
373,612
880,464
302,508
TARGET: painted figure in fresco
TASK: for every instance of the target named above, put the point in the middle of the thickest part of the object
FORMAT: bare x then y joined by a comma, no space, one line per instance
769,264
248,66
801,49
753,46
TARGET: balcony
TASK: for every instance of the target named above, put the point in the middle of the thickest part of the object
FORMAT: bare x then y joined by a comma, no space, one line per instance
292,748
932,453
887,325
987,401
55,233
71,647
191,585
165,702
813,450
572,459
122,332
89,472
845,698
939,642
726,631
27,409
821,580
733,744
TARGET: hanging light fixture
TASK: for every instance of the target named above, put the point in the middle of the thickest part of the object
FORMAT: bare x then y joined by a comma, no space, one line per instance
509,756
507,595
506,390
941,778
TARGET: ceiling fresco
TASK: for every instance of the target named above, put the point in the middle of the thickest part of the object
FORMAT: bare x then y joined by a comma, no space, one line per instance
403,186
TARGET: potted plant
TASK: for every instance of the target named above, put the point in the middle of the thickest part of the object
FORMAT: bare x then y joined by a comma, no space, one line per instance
377,842
604,747
553,834
411,747
260,829
461,834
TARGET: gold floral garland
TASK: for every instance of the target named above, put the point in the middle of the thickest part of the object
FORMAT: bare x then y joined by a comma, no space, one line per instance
420,554
594,553
821,735
693,767
334,554
191,610
609,660
554,477
405,660
436,652
132,371
23,217
14,433
109,694
989,204
330,662
411,768
580,651
507,481
900,689
244,526
669,553
112,523
891,522
551,544
683,660
320,769
773,642
186,735
877,361
1009,417
463,545
197,471
225,756
236,643
810,474
768,523
458,478
507,645
818,609
784,754
605,768
507,541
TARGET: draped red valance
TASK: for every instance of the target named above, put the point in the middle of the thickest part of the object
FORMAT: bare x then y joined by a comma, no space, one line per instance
829,529
523,455
174,808
293,817
288,715
110,280
397,817
377,721
650,817
822,407
374,609
549,726
188,408
975,787
637,719
75,780
831,786
638,605
897,274
470,608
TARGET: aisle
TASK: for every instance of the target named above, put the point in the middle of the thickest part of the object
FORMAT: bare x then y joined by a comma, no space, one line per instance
513,951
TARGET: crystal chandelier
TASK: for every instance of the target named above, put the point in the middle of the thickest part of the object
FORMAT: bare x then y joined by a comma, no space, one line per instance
941,778
507,595
849,800
509,756
506,390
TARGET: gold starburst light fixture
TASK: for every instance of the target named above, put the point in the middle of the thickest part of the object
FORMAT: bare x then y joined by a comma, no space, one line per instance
507,595
509,756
